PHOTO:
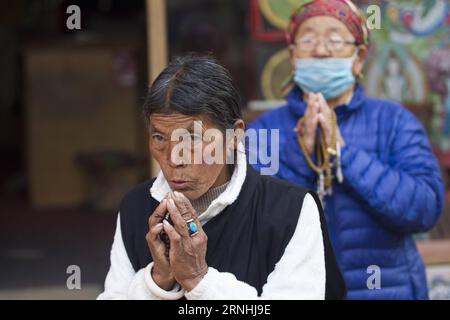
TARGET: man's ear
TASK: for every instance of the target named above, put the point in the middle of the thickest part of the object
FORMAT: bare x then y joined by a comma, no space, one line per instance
239,131
358,65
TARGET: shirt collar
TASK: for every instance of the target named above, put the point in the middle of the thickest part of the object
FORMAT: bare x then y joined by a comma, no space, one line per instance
160,188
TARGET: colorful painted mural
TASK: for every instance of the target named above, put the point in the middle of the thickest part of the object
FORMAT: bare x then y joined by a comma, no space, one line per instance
410,60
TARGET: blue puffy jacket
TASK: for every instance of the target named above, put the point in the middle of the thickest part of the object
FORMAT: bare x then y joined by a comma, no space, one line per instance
392,189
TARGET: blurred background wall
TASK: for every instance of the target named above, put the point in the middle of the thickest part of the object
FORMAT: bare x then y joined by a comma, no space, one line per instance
72,139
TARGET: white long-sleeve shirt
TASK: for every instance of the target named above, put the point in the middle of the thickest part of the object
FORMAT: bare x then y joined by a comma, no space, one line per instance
299,274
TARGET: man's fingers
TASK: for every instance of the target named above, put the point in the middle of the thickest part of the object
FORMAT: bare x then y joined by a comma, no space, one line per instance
153,239
312,110
309,109
316,107
192,212
158,215
174,236
177,219
321,99
312,129
184,205
155,231
315,102
156,246
326,128
311,126
323,104
325,124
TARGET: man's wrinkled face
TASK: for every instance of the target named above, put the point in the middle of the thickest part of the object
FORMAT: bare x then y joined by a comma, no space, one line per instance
169,134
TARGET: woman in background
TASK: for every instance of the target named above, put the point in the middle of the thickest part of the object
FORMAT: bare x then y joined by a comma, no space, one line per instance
369,159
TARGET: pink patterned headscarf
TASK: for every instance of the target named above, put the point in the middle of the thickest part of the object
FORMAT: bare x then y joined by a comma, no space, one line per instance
343,10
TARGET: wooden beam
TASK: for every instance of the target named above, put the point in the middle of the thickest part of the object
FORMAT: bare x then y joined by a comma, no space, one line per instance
156,12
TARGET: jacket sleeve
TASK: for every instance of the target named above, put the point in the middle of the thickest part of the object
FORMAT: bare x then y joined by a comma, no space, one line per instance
292,163
405,192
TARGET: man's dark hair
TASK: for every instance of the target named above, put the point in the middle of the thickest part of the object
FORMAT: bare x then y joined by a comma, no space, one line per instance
195,85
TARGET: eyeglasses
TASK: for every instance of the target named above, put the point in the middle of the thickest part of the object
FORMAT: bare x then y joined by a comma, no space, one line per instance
308,44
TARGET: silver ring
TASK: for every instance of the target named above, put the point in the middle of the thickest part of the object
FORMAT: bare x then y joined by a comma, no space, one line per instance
192,227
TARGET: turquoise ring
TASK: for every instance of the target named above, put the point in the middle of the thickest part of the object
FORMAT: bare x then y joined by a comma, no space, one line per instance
192,227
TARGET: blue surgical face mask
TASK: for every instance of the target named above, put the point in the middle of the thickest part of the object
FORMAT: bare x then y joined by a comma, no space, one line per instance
329,76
